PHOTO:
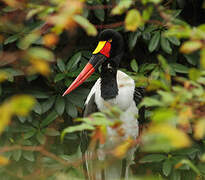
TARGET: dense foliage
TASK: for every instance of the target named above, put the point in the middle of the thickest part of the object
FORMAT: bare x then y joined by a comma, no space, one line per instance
43,47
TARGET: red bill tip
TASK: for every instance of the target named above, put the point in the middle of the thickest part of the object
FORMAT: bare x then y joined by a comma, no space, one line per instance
85,74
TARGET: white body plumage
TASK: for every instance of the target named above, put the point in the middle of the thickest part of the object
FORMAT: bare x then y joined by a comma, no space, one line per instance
125,101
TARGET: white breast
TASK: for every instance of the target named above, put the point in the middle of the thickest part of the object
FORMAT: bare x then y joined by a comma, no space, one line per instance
124,98
124,101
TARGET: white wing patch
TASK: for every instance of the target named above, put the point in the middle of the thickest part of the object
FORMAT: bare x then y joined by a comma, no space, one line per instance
93,90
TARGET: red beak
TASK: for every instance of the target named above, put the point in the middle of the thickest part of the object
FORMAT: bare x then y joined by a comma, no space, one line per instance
85,73
94,63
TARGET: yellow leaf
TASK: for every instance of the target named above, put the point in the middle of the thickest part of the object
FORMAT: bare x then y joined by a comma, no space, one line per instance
50,39
121,7
190,46
40,54
21,105
185,115
122,149
89,28
3,160
177,138
133,20
3,76
199,129
202,158
100,134
5,116
202,58
40,66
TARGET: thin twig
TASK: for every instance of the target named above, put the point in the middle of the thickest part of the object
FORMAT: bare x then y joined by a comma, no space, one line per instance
99,7
113,25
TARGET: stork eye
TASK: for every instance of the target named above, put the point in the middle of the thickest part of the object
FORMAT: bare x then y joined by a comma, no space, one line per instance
110,40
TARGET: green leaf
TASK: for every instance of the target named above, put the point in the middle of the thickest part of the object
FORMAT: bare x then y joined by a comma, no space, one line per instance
202,58
194,74
60,105
201,167
97,119
190,46
59,77
133,39
29,155
72,129
71,110
22,119
39,94
154,41
146,36
134,65
41,138
165,45
48,104
100,14
161,115
41,53
17,154
52,132
37,108
27,41
163,63
1,90
13,72
175,175
121,7
192,58
11,39
167,97
180,68
50,118
174,40
167,167
8,154
32,77
147,67
29,134
61,65
9,9
153,158
88,27
151,1
146,14
76,99
72,63
191,165
149,102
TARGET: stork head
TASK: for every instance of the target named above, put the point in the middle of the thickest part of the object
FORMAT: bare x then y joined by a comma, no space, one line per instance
109,49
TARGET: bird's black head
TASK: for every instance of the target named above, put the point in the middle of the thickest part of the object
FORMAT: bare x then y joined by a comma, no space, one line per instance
117,44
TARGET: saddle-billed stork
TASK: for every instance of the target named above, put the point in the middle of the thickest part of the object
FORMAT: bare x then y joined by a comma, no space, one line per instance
116,88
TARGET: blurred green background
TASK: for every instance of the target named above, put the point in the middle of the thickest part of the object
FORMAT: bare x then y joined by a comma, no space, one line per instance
44,44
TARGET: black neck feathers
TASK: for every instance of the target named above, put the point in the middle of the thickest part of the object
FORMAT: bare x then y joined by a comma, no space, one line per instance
109,88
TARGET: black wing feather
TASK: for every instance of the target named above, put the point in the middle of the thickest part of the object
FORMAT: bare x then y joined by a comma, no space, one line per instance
90,108
138,96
